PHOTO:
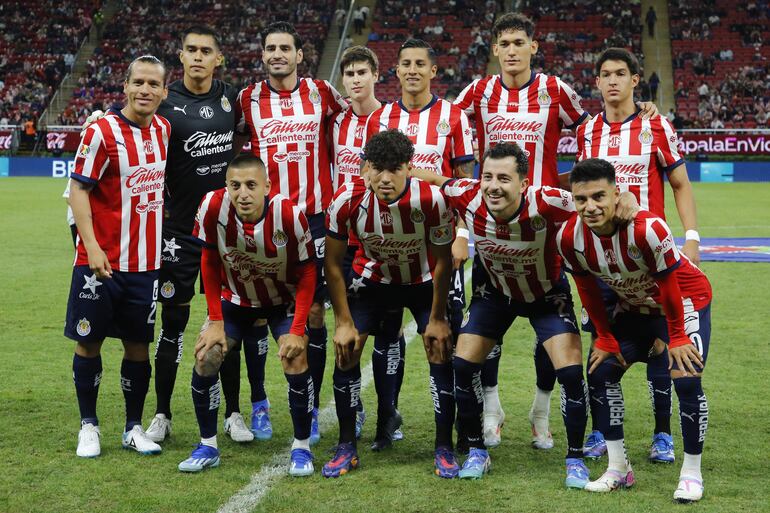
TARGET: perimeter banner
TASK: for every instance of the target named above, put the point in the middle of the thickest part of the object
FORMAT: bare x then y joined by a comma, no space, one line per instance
700,144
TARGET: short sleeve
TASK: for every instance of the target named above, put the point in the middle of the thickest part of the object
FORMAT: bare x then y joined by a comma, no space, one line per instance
462,140
441,232
91,159
565,245
305,245
241,126
667,145
571,112
205,228
465,100
659,248
558,204
336,103
338,214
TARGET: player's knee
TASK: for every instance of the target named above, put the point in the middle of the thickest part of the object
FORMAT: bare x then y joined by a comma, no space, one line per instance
210,363
136,351
569,375
315,317
606,372
88,350
677,374
296,365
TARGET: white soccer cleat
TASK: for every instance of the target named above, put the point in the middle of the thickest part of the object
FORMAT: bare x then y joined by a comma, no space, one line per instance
690,489
88,441
612,480
541,435
493,423
136,439
236,428
159,428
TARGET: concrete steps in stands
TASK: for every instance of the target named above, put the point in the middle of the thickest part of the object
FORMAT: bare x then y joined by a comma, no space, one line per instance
657,53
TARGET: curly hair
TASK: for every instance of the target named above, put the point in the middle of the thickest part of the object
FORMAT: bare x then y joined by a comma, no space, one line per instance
509,149
389,150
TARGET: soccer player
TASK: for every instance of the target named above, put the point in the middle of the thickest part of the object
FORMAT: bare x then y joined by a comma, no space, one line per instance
662,295
256,264
516,273
287,120
530,109
118,180
201,110
642,151
404,260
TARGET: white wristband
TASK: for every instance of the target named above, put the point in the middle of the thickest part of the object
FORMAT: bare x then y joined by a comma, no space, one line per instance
464,233
692,235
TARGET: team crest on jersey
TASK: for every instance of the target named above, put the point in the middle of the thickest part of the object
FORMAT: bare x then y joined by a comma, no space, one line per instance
149,148
315,97
206,112
645,137
466,318
634,252
386,218
614,141
84,327
443,127
226,104
609,256
583,316
412,129
360,132
84,150
543,98
417,216
537,223
280,238
167,290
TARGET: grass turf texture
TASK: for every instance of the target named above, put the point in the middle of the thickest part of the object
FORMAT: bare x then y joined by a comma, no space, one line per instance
39,420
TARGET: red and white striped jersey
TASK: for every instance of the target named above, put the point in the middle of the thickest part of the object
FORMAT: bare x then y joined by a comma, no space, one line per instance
531,116
641,150
440,132
348,131
519,254
289,133
393,237
629,260
259,260
126,164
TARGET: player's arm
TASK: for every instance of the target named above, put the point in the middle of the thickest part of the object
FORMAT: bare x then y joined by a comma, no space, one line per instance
81,211
292,344
438,335
605,345
626,208
427,175
680,348
345,333
211,276
685,205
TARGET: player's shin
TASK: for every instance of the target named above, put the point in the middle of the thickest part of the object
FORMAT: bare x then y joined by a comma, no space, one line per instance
401,367
135,382
206,397
255,349
347,394
87,374
609,408
316,357
694,414
168,353
545,377
301,396
470,400
659,382
489,372
230,377
386,359
442,392
574,407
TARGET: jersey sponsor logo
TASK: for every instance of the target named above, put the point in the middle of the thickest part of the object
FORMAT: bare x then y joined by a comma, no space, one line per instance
226,104
149,148
181,109
150,206
91,283
634,252
320,247
291,156
417,216
170,246
664,245
145,179
443,127
412,129
202,170
490,250
83,327
645,136
167,290
423,160
287,131
391,245
280,238
286,103
501,129
537,223
543,98
315,97
206,112
386,218
84,151
441,235
609,256
248,268
348,159
201,143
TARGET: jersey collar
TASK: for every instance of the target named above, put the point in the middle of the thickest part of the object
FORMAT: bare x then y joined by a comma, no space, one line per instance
529,82
117,112
276,91
430,104
629,118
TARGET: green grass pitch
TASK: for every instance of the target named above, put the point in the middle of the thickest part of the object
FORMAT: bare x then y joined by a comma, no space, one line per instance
39,419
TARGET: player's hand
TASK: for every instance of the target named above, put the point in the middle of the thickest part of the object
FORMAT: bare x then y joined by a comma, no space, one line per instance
691,249
345,337
93,118
686,358
598,356
213,335
437,339
459,252
626,208
98,262
290,346
649,110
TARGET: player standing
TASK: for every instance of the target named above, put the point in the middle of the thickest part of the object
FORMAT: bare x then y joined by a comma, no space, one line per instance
642,151
256,264
118,178
287,120
405,231
662,295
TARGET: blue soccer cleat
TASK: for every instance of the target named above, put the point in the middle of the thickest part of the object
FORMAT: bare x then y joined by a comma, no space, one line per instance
662,448
445,463
595,446
345,459
577,473
360,420
476,465
315,431
260,420
203,456
301,463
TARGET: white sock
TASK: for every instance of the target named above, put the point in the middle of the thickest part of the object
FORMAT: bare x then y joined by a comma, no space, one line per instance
211,442
691,466
492,400
541,405
301,444
616,454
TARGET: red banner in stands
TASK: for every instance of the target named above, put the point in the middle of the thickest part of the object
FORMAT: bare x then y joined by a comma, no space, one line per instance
60,141
691,144
6,140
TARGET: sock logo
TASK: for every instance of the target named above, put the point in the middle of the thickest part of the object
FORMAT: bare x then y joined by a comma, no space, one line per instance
616,404
355,392
394,357
310,394
125,384
214,396
97,379
434,395
263,345
703,417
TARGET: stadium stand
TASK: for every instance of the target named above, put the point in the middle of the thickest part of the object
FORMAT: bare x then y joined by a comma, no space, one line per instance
721,63
39,42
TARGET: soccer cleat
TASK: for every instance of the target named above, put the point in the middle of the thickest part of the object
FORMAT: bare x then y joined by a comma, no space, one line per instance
612,480
235,426
345,459
136,439
662,448
159,428
360,420
398,435
315,430
689,490
261,427
476,465
385,430
595,446
541,436
301,463
88,441
577,473
493,423
445,463
203,456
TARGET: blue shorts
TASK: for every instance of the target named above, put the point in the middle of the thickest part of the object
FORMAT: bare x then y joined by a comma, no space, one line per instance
636,333
241,319
317,223
121,307
491,312
377,307
610,299
180,263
